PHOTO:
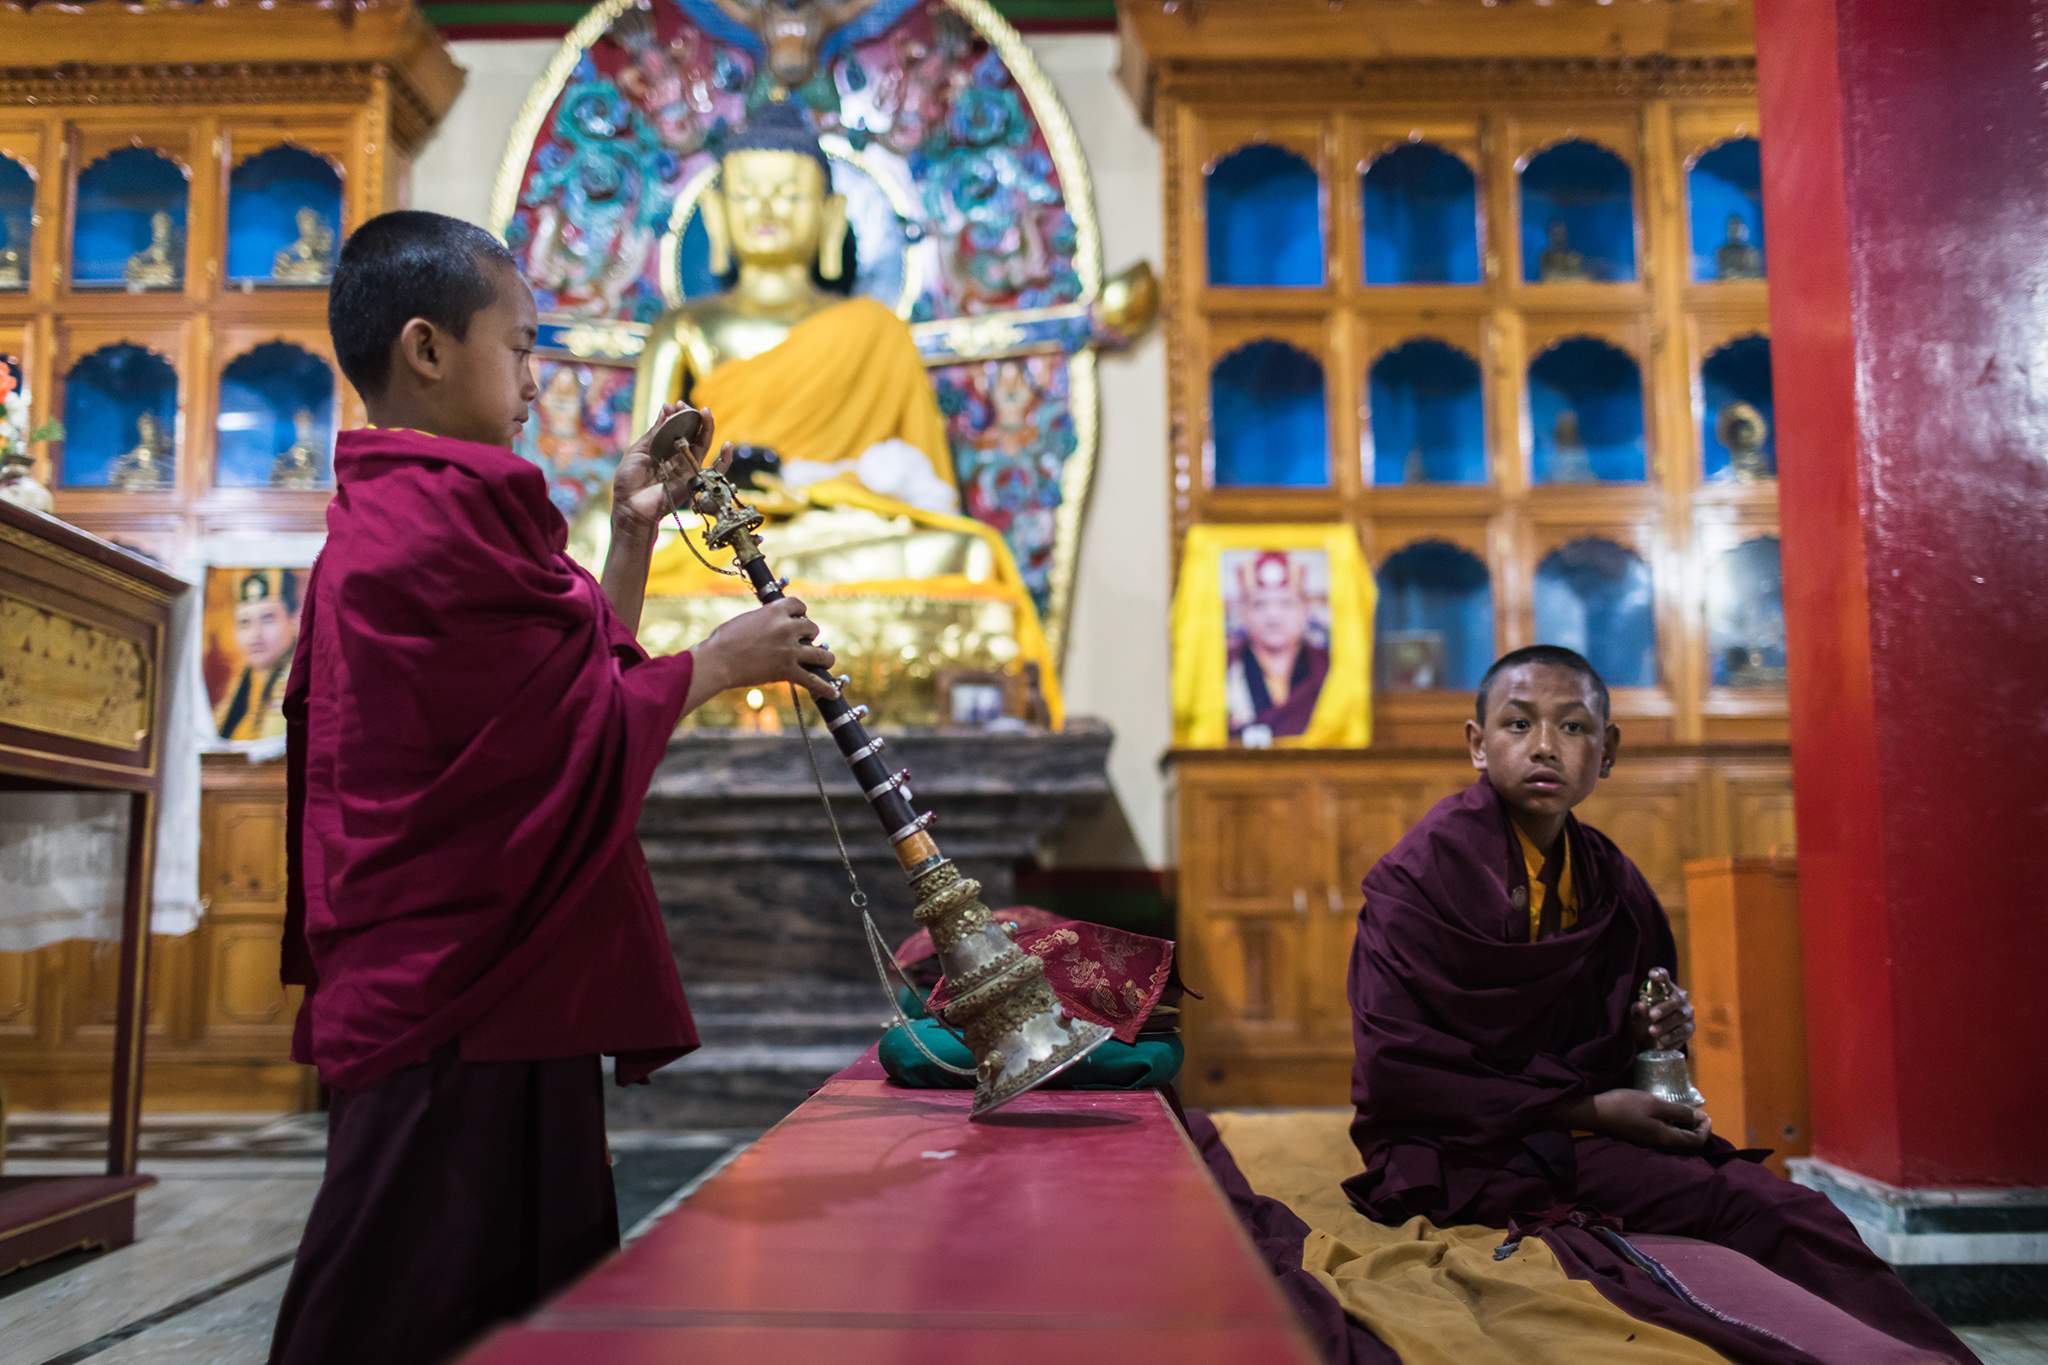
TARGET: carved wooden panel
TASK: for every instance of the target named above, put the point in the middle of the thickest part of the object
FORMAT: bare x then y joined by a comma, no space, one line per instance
244,853
1245,844
18,995
242,985
1760,817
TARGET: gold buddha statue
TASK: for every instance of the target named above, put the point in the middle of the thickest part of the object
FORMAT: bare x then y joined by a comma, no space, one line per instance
1559,263
298,465
1737,258
145,468
156,265
830,398
14,255
309,259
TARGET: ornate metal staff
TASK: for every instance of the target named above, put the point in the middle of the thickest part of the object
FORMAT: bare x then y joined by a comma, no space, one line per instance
1000,999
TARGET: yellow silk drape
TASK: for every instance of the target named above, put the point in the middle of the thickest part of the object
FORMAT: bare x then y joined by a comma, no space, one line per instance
1436,1296
675,571
841,381
1342,718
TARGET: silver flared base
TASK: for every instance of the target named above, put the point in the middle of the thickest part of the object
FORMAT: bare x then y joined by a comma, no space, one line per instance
1030,1055
1668,1076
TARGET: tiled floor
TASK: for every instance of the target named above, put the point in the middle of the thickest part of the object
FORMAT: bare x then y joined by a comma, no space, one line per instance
215,1236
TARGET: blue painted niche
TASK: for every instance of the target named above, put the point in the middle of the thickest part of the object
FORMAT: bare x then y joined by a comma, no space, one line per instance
1595,596
105,394
1435,619
1739,372
1268,421
261,395
1600,385
265,194
1264,208
1421,212
17,219
1746,616
1428,417
117,197
1588,190
1725,184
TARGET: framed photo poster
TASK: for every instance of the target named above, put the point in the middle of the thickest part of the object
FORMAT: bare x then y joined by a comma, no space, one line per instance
1272,638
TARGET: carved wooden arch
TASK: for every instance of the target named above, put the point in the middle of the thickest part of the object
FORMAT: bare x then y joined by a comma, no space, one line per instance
1278,144
1425,333
1389,145
1410,539
1698,149
138,142
1552,143
1713,343
264,149
1617,341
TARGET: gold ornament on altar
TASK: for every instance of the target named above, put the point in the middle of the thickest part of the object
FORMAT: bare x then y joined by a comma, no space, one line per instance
1743,431
1560,263
146,467
298,465
156,265
1664,1072
310,258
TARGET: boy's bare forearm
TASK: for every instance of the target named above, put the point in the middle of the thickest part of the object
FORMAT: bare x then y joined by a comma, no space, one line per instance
625,575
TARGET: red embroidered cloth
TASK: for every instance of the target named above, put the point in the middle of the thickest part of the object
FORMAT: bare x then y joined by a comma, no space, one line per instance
1107,976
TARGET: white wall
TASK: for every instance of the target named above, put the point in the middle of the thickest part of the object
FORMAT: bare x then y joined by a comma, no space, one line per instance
1116,666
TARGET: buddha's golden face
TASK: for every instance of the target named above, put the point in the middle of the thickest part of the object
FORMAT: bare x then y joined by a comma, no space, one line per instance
774,206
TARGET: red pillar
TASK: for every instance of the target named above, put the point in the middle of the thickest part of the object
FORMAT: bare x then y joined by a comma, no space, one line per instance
1906,198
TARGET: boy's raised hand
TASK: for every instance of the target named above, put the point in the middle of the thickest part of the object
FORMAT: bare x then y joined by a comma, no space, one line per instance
771,644
639,498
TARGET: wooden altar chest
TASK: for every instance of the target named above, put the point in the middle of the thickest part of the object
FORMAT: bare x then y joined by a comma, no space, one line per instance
83,633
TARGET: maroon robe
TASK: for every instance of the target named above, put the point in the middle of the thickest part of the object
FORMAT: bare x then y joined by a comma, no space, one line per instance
471,735
1469,1037
1304,688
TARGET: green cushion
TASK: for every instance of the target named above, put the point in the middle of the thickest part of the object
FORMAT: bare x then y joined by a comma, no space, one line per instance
1143,1065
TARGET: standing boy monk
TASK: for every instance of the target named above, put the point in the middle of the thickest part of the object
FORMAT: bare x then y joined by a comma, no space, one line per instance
472,732
1493,990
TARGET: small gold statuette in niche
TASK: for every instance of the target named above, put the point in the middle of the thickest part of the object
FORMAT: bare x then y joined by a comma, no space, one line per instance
156,265
309,259
1737,258
14,255
298,465
1571,463
1559,263
147,466
1743,431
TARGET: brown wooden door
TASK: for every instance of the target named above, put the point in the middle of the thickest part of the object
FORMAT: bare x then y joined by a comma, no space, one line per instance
1365,820
1252,867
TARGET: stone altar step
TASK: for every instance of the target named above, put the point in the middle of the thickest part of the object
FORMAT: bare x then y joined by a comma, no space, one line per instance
767,1046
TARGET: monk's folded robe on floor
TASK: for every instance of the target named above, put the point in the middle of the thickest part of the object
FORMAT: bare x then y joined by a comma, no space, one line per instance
1470,1036
472,732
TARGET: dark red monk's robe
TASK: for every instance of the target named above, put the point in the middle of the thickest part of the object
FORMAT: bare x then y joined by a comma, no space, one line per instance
1469,1036
471,736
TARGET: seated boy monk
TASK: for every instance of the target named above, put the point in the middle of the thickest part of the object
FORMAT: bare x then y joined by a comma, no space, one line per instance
1493,990
472,730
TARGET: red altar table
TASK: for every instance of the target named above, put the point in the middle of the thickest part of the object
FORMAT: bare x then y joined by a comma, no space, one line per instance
876,1224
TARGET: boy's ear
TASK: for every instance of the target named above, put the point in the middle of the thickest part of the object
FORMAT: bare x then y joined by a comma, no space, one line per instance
420,349
1610,748
1474,738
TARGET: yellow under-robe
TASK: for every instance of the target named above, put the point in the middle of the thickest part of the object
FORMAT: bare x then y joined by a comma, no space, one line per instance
844,379
1434,1295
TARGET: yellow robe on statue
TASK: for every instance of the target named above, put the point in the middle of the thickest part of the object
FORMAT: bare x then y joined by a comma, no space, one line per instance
843,380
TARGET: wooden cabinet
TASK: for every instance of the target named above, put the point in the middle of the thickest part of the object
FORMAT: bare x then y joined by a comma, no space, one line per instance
239,99
1272,847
